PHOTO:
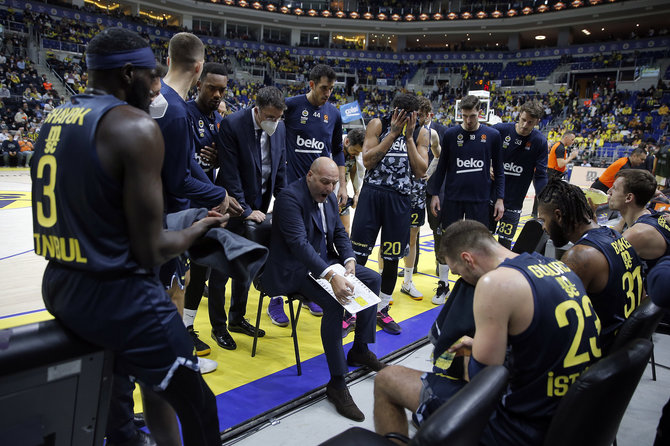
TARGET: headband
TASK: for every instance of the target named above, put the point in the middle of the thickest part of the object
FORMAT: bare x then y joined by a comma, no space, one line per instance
141,58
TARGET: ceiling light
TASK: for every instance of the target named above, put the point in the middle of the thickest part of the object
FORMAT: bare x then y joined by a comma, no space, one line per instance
540,37
586,31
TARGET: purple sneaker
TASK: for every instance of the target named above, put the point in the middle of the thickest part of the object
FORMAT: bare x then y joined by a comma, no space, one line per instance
314,308
276,311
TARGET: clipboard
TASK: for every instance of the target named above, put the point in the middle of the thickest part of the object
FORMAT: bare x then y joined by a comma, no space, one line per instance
362,297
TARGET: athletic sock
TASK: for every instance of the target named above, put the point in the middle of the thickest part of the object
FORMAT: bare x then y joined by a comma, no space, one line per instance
386,298
407,279
444,273
189,317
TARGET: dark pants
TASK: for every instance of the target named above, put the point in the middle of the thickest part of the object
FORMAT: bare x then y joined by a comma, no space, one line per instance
331,322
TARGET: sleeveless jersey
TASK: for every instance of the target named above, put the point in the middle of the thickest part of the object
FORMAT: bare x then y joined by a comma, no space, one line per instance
205,131
624,288
658,222
524,158
78,216
541,371
393,171
311,132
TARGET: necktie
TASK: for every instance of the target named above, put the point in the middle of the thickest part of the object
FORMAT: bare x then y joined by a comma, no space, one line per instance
323,249
259,132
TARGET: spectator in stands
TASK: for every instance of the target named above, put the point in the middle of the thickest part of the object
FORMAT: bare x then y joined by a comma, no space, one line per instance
20,118
4,92
26,153
10,151
606,180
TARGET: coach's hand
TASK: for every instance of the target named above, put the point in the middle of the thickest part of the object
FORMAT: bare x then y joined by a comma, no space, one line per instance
256,216
342,288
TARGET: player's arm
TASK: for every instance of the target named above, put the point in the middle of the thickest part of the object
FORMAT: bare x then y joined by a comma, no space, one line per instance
590,265
374,149
499,176
131,148
435,143
646,240
540,174
417,152
338,157
229,173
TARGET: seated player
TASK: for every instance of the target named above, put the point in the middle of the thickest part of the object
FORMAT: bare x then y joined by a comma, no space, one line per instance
523,303
607,264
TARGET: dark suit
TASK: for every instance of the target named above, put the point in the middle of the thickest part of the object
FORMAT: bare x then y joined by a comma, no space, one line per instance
240,174
297,236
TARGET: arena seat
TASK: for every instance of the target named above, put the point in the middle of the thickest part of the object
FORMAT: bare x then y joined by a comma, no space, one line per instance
460,421
590,412
54,387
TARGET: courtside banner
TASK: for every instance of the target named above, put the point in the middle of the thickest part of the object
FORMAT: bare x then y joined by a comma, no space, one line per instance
350,112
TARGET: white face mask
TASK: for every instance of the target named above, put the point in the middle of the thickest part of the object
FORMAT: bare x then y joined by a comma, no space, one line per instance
158,107
269,126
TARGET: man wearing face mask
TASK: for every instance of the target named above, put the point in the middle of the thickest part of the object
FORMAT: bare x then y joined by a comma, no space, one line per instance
252,154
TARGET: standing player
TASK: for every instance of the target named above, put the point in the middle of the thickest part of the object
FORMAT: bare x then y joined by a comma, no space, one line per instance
353,146
205,120
391,157
609,267
313,129
103,152
528,307
469,152
524,159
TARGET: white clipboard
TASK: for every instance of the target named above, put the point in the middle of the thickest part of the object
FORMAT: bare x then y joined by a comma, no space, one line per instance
362,297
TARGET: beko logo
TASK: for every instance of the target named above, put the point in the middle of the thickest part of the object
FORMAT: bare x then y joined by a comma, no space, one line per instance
316,146
513,169
469,163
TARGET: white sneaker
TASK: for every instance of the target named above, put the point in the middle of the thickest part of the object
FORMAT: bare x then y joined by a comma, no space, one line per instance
442,293
410,289
207,365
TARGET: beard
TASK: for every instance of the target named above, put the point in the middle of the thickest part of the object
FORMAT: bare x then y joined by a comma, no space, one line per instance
557,234
139,95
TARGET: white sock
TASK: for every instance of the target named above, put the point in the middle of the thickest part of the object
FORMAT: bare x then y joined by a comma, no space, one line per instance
444,273
189,317
386,298
407,278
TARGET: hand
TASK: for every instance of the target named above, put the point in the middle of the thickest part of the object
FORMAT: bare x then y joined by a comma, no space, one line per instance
342,196
256,216
355,202
350,268
213,220
342,288
210,155
435,205
463,347
498,209
411,123
223,207
398,121
235,209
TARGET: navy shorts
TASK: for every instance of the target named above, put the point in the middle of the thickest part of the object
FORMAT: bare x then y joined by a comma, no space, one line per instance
453,211
130,314
174,269
386,209
437,390
506,227
417,217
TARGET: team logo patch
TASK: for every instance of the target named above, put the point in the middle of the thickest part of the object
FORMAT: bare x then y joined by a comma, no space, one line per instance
201,123
484,138
304,113
325,119
460,137
508,138
527,145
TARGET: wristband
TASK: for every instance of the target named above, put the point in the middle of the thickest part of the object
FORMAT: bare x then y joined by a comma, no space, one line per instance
331,277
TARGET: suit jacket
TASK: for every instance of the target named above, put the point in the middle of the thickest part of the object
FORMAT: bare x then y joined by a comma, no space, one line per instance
240,161
296,239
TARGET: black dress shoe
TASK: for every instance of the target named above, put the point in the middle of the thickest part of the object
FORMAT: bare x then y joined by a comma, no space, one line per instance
141,438
224,339
245,327
367,359
344,403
